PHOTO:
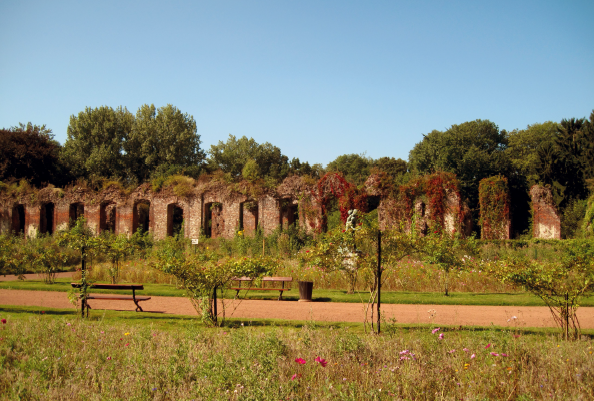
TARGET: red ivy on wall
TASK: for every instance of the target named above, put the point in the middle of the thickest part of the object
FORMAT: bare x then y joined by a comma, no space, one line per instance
349,197
436,188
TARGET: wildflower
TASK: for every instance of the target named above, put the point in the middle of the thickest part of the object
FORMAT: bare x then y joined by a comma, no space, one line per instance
488,346
321,361
472,356
404,352
109,358
465,349
300,361
503,354
452,351
67,324
435,330
102,332
441,336
296,376
494,354
3,321
404,358
126,334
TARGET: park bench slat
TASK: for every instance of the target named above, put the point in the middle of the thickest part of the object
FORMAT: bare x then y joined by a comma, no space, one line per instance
282,280
132,287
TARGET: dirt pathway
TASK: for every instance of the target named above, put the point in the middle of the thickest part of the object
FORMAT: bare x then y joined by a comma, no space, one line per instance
525,316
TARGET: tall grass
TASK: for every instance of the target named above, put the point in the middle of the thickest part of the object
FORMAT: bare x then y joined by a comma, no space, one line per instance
64,358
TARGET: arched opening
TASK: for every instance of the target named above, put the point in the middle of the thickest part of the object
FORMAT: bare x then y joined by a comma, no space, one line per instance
46,218
248,217
175,220
18,219
77,210
107,217
289,214
213,219
141,216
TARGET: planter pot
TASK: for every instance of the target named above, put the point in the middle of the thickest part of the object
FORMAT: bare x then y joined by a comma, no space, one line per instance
305,290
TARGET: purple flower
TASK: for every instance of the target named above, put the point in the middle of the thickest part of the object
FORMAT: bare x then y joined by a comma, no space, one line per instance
434,330
404,352
441,336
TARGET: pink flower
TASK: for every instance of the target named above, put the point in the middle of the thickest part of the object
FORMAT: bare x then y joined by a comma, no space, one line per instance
488,346
68,324
441,336
452,351
466,349
404,352
434,330
3,321
472,356
109,358
300,361
502,354
321,361
296,376
404,357
494,354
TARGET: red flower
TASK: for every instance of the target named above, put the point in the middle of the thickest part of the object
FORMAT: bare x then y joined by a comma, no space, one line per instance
321,361
3,321
300,361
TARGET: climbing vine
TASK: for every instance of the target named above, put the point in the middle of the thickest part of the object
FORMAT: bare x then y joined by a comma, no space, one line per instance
494,204
435,190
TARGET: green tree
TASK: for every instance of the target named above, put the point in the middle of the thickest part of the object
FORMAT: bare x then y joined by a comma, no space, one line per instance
391,166
30,152
162,140
95,142
472,150
231,157
354,167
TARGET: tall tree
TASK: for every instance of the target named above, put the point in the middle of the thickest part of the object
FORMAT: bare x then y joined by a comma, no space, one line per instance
30,152
472,150
95,140
162,139
354,167
231,157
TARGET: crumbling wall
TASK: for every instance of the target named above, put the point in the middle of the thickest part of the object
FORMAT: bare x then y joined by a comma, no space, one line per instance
494,208
546,222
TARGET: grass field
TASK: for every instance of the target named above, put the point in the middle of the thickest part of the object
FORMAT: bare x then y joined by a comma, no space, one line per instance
391,297
119,355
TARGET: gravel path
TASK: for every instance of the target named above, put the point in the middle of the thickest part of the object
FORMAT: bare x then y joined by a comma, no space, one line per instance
465,315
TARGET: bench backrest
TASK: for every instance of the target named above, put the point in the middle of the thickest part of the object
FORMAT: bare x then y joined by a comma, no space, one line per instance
263,279
113,286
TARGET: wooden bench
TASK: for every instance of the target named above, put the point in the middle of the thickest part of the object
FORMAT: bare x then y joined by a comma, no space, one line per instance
132,287
282,280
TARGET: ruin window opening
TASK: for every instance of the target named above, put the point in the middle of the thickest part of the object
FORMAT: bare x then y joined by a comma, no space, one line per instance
289,215
214,223
77,210
373,203
107,218
248,217
46,218
175,220
18,219
141,216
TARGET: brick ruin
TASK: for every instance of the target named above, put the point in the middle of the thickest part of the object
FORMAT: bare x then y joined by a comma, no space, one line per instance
546,222
218,211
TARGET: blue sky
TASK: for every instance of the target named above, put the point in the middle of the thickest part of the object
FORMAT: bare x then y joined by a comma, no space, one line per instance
316,78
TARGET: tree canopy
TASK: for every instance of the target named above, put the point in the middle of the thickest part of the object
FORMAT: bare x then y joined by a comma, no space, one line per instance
30,152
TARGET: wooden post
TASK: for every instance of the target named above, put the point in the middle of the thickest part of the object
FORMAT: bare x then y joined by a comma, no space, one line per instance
83,282
263,246
215,305
379,277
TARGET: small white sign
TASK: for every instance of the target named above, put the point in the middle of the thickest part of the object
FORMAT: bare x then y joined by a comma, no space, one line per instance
195,241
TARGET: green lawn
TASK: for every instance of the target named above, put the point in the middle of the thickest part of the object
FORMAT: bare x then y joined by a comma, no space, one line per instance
424,298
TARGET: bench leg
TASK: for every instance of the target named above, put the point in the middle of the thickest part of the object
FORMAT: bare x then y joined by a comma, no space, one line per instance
138,308
280,296
236,294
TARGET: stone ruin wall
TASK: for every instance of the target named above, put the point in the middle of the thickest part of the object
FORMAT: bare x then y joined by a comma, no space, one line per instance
222,211
217,213
546,221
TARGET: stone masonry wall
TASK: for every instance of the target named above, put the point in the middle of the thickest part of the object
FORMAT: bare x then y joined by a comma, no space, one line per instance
546,222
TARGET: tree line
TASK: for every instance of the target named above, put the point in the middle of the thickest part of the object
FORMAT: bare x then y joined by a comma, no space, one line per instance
115,144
